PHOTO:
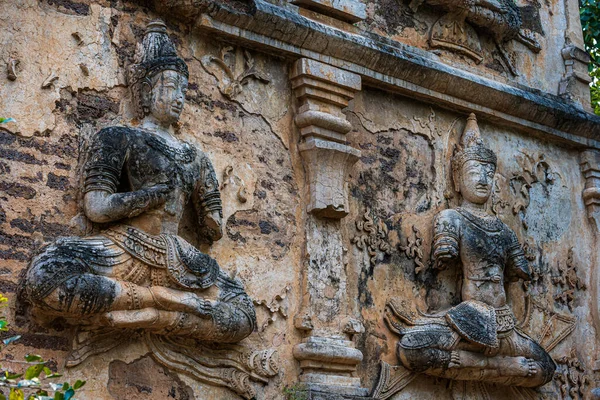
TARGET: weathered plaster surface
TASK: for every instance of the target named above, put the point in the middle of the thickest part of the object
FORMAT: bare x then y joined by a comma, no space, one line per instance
400,182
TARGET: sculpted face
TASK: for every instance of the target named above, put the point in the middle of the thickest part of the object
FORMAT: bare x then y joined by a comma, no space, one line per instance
167,96
477,179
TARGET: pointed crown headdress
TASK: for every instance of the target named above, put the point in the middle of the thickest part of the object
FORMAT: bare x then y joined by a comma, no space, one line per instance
471,148
155,54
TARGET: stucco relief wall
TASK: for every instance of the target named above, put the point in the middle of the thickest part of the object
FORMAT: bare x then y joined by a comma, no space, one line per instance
240,110
247,137
406,147
399,21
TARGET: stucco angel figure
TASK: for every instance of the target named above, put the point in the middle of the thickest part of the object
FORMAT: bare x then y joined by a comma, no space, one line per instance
476,340
137,274
502,19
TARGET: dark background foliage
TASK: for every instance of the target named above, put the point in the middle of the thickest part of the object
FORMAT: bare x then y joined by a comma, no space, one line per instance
590,21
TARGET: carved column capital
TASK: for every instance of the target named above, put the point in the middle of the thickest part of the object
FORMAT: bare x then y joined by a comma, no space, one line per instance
576,79
323,91
590,167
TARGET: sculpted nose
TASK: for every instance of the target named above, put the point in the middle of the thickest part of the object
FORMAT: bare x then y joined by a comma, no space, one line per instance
180,99
483,179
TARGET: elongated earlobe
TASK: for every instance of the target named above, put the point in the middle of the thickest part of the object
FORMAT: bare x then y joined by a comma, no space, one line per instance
146,92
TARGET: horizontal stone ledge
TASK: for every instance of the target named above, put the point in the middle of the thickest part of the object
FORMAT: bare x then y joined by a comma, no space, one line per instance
388,65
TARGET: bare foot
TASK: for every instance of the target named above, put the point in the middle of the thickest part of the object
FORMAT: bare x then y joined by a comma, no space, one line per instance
197,305
518,366
454,360
533,369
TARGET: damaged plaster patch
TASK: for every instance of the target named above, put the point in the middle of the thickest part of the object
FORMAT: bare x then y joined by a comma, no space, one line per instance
43,52
145,379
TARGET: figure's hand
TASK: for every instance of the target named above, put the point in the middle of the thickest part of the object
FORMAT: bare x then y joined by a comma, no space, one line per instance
443,255
204,309
145,199
149,198
158,195
213,222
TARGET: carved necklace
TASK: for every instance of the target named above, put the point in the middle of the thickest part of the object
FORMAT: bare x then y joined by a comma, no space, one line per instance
185,154
492,224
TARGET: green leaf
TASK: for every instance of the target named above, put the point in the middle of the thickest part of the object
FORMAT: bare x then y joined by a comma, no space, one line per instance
10,375
65,386
79,384
34,371
2,396
59,396
16,394
33,358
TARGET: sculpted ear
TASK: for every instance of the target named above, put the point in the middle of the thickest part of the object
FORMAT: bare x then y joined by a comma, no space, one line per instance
456,179
146,93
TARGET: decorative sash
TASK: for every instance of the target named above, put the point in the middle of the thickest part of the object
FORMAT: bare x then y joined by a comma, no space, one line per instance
187,266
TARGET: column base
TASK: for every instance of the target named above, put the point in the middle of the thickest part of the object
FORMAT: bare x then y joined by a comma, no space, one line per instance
327,368
313,391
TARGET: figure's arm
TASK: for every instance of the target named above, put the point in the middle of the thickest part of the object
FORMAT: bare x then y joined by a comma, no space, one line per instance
107,154
445,240
207,201
518,267
102,206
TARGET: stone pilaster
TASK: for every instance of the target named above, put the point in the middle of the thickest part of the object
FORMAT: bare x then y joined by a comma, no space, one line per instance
323,91
590,167
589,162
576,79
327,355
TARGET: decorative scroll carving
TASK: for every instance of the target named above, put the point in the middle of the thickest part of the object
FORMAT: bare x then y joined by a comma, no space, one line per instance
573,381
555,327
455,31
474,342
567,282
277,306
392,380
414,249
372,236
239,67
533,169
136,279
11,69
228,176
49,80
233,368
